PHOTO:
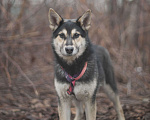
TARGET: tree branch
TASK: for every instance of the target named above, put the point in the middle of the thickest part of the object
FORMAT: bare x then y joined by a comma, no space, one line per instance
21,71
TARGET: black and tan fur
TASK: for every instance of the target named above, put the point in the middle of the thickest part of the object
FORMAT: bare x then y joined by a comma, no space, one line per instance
72,48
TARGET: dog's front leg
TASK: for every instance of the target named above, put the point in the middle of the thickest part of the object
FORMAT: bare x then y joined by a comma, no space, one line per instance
64,109
79,110
90,109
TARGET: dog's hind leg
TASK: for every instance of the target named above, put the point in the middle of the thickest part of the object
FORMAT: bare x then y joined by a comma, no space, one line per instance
64,109
79,110
115,99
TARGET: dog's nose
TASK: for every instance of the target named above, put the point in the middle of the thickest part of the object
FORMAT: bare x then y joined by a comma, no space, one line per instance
69,49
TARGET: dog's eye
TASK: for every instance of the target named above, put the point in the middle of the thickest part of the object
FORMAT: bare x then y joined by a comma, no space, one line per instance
62,35
76,35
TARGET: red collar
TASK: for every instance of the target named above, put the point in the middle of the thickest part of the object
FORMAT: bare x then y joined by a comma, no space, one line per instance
82,72
72,80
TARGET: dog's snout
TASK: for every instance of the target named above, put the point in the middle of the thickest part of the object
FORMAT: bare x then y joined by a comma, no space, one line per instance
69,49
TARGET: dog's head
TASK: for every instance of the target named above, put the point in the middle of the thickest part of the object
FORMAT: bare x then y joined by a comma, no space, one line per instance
69,35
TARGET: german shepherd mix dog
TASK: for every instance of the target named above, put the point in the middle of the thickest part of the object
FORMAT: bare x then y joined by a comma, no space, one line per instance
80,68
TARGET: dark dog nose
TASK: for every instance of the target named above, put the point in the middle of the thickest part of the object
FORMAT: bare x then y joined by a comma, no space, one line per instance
69,49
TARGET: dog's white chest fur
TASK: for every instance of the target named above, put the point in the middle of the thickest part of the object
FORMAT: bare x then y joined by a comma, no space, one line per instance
82,91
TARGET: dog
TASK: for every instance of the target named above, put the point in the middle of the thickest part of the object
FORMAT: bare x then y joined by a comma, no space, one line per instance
81,68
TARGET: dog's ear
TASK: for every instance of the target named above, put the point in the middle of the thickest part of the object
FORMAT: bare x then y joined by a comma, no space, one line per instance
85,20
54,19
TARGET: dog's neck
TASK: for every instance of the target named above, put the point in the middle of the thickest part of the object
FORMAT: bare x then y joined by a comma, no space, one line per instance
77,65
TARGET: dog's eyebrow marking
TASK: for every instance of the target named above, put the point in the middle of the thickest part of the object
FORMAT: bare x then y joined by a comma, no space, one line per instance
74,31
63,31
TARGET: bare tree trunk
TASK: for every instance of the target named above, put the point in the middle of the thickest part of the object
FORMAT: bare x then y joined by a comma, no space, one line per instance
141,25
132,26
19,26
112,9
122,17
1,3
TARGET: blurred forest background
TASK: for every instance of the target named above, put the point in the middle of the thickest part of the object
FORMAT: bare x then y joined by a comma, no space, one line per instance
26,59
